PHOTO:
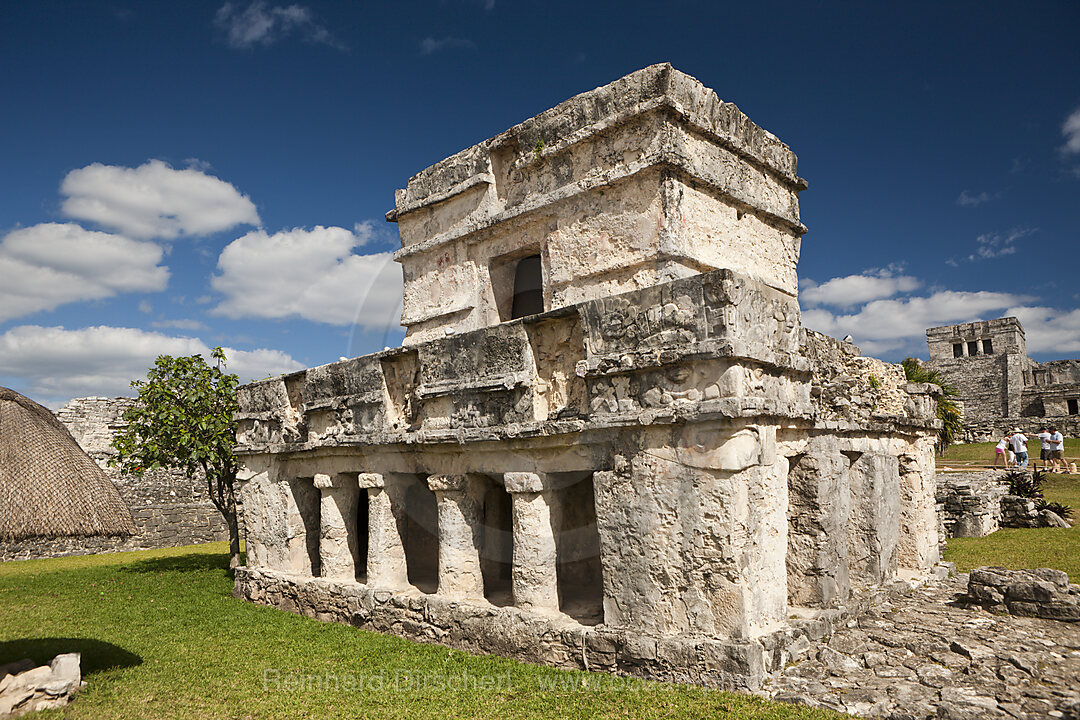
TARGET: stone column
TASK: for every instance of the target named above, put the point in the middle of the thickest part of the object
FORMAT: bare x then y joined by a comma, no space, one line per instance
337,526
386,566
459,536
534,578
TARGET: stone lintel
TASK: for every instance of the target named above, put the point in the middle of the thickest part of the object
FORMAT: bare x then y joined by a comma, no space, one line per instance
370,480
439,483
337,481
525,482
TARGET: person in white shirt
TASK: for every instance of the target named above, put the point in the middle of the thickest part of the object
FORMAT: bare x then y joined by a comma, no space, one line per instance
1018,443
1000,452
1044,450
1057,450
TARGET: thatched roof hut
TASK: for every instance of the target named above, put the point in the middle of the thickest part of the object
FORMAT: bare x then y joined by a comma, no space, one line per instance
49,487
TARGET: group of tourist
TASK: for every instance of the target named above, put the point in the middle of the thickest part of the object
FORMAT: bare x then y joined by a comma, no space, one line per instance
1012,450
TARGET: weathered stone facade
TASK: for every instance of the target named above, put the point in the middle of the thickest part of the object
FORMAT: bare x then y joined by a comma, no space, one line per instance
169,508
653,469
999,386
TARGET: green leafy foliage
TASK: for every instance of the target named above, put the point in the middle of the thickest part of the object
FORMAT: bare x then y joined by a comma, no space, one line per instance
947,410
183,418
1024,485
1060,509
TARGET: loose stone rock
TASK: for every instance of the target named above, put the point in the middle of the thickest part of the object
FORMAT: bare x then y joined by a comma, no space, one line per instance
998,666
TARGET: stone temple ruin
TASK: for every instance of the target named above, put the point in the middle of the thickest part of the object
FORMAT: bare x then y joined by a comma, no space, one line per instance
999,386
607,441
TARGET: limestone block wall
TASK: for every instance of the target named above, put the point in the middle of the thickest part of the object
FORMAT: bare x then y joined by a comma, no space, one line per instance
982,384
169,508
642,181
1001,336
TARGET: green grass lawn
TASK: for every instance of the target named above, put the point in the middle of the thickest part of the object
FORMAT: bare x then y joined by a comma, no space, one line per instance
1021,547
161,637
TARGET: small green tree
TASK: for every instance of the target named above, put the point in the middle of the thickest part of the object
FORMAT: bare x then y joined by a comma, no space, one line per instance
947,410
184,419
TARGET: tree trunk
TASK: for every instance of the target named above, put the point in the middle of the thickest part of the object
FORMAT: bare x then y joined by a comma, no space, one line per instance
222,488
234,539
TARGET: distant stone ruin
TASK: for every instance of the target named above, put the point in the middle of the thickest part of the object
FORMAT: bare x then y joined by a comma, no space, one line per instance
999,386
169,508
607,443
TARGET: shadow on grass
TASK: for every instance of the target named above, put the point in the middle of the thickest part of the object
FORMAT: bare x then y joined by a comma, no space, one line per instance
195,562
97,655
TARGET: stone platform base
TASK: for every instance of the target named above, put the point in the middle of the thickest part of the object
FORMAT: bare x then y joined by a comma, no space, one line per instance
557,640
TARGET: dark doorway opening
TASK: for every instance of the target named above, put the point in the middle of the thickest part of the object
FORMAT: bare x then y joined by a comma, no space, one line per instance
528,288
421,536
988,347
973,347
1074,407
497,543
958,350
577,548
361,543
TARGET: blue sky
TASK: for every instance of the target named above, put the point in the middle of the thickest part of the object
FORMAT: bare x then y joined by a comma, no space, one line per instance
182,175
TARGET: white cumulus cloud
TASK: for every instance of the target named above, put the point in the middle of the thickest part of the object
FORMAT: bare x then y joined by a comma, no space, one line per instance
262,24
51,264
886,325
1048,330
853,290
155,200
53,365
312,274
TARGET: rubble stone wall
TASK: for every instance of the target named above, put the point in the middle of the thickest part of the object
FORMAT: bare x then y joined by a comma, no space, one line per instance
169,508
971,503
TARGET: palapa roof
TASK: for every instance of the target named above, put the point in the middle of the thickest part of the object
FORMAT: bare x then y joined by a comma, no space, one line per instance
49,487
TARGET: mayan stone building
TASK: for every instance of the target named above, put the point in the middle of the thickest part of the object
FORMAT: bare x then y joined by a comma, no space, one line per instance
607,442
999,385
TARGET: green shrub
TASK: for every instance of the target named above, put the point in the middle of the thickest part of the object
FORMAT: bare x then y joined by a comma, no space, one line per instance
947,410
1024,485
1062,510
